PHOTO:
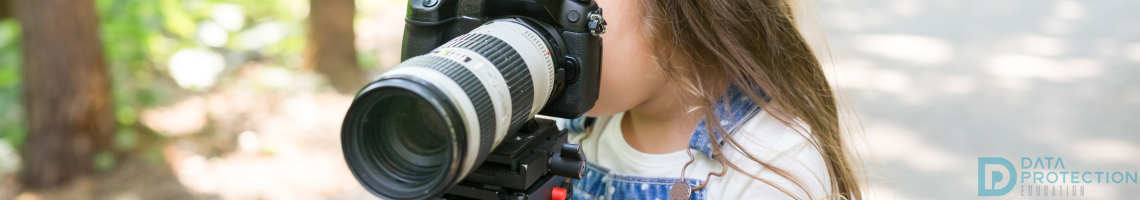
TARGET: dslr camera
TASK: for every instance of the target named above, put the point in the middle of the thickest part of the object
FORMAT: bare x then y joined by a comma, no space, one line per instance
456,119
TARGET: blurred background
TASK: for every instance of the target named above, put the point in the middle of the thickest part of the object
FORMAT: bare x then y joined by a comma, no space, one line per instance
938,83
243,99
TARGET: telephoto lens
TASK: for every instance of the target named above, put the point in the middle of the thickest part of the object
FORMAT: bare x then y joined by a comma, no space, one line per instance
428,122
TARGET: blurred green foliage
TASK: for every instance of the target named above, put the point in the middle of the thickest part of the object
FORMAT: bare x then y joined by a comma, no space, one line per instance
12,124
140,36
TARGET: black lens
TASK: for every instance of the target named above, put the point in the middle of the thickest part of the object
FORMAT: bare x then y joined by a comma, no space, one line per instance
399,132
404,129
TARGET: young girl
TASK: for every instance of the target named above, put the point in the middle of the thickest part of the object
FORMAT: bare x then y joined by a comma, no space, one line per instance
725,95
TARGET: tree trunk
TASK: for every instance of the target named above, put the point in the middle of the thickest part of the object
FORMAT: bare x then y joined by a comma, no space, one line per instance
331,45
5,9
66,90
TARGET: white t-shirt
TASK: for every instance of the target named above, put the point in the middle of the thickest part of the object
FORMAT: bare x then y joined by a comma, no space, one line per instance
762,136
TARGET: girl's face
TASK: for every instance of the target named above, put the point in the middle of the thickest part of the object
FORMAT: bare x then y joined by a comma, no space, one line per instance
629,74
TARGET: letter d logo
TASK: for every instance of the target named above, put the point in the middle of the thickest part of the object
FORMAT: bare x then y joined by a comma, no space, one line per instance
990,177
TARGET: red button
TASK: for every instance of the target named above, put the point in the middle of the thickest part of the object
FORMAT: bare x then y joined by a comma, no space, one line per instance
558,194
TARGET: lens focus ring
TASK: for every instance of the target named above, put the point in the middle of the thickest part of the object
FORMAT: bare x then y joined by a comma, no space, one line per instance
509,64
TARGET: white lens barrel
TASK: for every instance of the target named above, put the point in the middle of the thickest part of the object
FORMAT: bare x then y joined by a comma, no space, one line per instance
533,50
498,75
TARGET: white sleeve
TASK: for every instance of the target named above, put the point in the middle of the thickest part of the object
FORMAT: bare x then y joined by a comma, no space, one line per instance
780,146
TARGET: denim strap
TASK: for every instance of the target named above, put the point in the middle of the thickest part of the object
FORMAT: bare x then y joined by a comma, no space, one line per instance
739,109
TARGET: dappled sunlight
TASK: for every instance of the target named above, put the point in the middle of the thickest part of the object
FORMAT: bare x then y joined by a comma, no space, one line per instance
1042,45
893,143
269,132
229,16
939,83
9,158
1106,151
922,50
302,110
1064,13
1132,52
866,77
905,7
263,34
186,117
212,34
196,68
853,21
249,142
892,81
1017,66
849,73
299,9
266,144
1068,9
1056,26
292,173
279,78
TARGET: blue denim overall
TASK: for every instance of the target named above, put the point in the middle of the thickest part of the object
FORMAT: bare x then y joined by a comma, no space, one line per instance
601,184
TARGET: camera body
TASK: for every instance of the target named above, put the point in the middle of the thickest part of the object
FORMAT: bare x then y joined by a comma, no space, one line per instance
571,29
519,168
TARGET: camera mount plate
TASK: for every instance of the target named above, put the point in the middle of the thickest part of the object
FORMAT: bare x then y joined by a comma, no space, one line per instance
514,167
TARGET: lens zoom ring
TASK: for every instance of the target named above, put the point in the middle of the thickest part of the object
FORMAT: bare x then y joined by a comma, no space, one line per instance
475,91
510,64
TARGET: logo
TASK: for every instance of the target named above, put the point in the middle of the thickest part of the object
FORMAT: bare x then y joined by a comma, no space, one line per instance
996,176
1043,176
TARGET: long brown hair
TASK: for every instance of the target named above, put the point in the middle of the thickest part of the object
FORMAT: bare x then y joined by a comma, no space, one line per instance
707,45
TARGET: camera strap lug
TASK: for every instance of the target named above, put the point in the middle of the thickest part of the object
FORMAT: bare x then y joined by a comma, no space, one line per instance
597,24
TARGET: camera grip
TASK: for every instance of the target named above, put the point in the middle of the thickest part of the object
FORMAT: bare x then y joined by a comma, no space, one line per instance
421,39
